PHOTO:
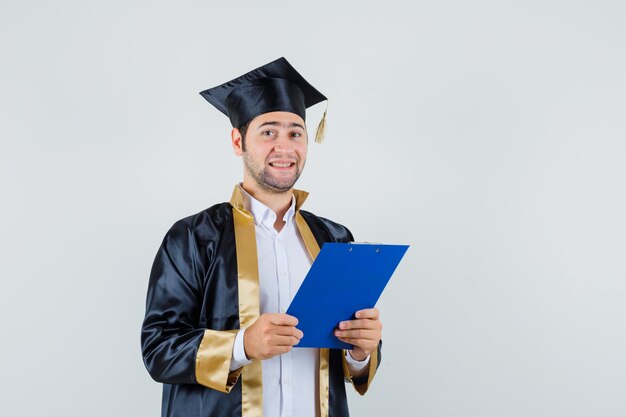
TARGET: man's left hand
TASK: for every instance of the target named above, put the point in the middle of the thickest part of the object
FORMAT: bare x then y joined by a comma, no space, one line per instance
364,333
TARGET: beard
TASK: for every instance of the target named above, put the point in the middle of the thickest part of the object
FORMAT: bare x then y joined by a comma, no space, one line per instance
267,180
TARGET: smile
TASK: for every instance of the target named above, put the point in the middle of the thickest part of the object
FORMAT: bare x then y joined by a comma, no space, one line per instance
282,164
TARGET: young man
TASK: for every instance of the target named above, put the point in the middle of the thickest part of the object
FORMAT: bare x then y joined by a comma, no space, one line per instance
215,331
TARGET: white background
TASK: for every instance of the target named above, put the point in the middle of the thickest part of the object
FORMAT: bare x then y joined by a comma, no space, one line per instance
487,134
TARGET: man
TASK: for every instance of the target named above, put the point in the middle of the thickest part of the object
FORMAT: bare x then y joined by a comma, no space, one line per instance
215,331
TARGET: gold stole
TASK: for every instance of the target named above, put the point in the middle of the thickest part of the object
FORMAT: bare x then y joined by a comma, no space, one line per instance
248,284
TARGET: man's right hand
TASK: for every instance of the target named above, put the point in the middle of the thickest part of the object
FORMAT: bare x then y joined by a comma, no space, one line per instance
271,335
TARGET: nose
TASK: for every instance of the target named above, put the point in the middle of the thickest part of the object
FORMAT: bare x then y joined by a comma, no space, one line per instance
283,144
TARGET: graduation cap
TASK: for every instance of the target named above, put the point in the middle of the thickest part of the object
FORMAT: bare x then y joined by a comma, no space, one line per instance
276,86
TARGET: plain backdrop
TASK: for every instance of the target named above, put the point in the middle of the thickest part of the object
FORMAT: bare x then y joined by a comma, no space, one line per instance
489,135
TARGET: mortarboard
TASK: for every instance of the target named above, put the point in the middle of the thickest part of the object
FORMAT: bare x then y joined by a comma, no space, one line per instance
276,86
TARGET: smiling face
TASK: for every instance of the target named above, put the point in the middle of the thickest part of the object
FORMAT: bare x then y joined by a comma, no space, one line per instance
275,151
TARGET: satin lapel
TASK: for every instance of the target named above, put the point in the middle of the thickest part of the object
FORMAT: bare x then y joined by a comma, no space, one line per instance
314,249
248,284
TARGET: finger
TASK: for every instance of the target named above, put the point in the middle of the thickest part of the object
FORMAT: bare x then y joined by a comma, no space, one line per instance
284,340
288,331
368,313
358,334
360,324
365,345
281,319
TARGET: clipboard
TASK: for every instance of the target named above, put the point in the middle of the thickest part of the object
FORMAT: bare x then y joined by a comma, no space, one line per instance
345,278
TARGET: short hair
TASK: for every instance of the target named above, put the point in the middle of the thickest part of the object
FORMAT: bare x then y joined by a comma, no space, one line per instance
243,130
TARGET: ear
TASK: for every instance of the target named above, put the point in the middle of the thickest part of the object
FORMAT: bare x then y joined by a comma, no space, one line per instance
237,141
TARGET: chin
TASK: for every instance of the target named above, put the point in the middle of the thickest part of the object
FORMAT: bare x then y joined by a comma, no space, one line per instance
278,188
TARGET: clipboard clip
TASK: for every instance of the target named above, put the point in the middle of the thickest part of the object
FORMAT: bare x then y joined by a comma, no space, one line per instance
364,243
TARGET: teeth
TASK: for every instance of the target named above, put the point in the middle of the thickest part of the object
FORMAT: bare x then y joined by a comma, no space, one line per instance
276,164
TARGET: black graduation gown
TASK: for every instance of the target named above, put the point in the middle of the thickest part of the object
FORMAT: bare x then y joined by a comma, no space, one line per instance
193,311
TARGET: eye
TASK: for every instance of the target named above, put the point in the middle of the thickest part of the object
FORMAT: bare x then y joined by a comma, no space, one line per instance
296,134
267,133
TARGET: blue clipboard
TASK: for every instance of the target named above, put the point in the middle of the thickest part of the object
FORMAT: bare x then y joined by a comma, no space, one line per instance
345,278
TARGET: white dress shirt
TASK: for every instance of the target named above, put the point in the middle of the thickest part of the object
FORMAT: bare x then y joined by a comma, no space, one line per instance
290,380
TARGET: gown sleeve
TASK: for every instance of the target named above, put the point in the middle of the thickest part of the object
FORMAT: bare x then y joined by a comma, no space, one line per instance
176,350
362,383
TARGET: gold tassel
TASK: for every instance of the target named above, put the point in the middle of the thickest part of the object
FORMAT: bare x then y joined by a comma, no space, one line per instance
321,127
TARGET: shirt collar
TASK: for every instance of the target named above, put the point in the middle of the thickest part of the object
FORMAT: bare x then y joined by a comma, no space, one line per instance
263,214
236,200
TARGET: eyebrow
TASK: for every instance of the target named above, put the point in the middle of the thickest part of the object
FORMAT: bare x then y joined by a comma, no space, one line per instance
271,123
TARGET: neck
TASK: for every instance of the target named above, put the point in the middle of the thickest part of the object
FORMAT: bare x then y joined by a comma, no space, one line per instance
278,202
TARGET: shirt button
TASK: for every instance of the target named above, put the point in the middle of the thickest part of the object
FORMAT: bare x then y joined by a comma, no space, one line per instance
285,381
